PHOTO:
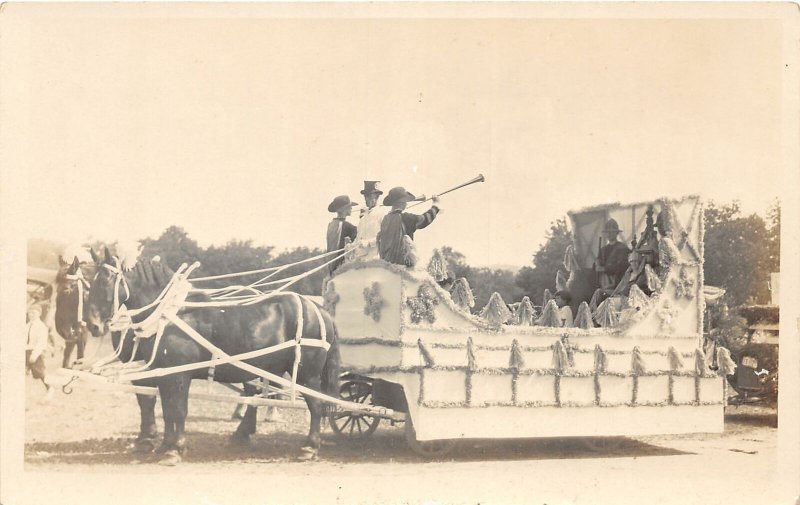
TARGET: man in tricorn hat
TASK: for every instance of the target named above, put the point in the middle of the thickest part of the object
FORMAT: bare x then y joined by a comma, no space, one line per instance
370,223
340,232
613,259
398,227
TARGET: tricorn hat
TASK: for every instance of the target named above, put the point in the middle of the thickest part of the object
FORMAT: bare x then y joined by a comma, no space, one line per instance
340,202
398,195
371,187
611,226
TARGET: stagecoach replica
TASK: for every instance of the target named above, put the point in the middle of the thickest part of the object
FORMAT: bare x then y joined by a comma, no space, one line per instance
412,351
632,365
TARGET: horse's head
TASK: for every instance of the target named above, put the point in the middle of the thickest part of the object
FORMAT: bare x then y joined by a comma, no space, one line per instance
118,282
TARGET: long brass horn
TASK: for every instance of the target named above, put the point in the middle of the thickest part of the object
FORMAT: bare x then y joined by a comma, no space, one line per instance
479,178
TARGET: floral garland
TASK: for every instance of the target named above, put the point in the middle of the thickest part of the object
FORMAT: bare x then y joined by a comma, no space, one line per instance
471,368
422,306
374,302
373,340
684,285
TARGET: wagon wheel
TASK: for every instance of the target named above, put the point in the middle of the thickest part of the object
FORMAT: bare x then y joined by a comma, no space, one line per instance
603,444
351,425
427,448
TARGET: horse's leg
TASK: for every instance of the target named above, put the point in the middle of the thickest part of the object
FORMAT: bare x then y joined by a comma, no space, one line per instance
310,449
146,441
81,343
247,426
175,404
68,346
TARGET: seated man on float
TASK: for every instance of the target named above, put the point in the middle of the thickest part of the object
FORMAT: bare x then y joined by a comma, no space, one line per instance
612,263
395,239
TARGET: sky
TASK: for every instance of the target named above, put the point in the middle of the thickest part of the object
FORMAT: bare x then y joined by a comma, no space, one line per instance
239,128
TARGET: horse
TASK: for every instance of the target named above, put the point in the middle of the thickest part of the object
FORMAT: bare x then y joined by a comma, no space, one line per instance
234,330
70,308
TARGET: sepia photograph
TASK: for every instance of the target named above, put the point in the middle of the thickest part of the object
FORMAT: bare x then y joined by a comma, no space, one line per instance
401,253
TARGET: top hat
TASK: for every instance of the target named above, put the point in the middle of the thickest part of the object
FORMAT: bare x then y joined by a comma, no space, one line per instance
611,226
340,202
398,195
371,187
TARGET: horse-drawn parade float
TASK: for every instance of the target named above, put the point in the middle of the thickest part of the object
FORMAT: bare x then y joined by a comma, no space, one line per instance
397,343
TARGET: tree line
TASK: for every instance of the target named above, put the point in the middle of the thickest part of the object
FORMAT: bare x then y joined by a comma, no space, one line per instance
740,253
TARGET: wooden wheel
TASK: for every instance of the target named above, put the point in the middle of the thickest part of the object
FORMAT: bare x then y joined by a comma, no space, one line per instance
349,424
428,448
603,444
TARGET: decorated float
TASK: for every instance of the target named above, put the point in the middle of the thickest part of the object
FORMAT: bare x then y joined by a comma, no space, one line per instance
632,365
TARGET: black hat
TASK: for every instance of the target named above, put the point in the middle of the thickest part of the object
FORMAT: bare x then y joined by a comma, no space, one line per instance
611,226
397,195
339,202
371,187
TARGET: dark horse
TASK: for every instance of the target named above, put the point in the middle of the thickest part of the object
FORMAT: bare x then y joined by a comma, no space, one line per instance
234,330
70,310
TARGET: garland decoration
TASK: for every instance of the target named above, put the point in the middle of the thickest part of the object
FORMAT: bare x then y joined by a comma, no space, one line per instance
605,315
524,314
330,298
550,316
668,254
667,315
653,282
516,361
700,370
422,306
462,295
638,300
684,285
600,364
471,363
560,358
583,319
438,266
675,363
561,281
496,311
374,301
471,368
637,368
425,354
546,297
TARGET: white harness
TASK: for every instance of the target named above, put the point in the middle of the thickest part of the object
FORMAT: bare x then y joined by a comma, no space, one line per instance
82,284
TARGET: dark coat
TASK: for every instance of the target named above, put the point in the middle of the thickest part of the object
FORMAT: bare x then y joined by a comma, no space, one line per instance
336,238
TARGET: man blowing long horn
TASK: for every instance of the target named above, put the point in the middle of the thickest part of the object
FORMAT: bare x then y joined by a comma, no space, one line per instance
397,228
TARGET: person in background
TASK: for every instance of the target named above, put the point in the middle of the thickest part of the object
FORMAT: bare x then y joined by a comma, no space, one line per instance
340,232
395,240
370,222
563,299
612,262
35,347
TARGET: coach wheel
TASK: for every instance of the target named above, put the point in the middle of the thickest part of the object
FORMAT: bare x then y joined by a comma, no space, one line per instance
352,425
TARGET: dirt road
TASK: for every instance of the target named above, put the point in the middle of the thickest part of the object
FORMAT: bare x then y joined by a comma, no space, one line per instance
77,446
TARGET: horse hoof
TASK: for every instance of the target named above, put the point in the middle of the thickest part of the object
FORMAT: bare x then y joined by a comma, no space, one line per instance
144,446
240,439
308,454
171,458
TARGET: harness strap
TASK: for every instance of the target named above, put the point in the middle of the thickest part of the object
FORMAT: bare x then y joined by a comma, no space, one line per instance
78,277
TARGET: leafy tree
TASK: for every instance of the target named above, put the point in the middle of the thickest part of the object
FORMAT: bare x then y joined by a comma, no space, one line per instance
173,246
310,285
235,256
740,252
485,281
547,261
456,263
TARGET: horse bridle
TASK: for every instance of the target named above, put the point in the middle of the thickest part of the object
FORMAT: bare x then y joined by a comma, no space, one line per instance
119,280
82,284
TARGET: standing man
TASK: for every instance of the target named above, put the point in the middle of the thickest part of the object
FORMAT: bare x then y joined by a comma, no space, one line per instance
340,232
35,346
370,223
395,240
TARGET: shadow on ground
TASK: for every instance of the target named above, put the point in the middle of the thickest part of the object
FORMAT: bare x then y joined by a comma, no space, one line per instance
381,448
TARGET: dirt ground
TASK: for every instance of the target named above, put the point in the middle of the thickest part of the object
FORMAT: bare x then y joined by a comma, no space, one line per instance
84,438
